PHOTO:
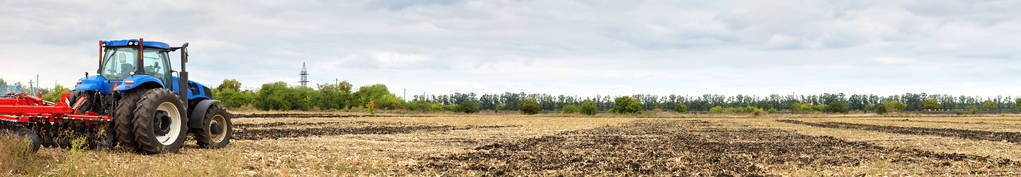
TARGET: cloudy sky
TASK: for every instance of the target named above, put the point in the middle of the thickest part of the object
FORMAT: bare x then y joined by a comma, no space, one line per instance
968,47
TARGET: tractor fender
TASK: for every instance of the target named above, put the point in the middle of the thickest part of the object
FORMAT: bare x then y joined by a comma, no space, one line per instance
139,80
199,112
93,83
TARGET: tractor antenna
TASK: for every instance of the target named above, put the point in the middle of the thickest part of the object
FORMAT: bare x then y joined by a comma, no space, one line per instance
304,75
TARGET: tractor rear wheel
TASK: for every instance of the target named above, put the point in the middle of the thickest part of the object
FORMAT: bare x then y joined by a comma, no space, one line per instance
122,117
216,129
160,122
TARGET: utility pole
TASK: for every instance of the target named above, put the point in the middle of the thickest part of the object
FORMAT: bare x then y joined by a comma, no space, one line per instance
304,75
405,94
31,87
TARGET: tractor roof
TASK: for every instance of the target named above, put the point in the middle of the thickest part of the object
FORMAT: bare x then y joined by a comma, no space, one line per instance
115,43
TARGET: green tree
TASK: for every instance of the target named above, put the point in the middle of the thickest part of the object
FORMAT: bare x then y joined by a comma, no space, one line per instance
717,109
272,96
837,107
468,106
230,84
54,95
570,109
531,106
370,93
334,96
796,108
894,106
932,104
1017,104
626,105
681,108
880,110
588,107
989,105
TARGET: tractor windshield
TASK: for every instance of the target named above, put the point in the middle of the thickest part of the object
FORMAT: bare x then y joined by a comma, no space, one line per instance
119,63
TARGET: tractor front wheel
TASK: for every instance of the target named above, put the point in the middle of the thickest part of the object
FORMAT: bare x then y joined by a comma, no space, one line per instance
159,124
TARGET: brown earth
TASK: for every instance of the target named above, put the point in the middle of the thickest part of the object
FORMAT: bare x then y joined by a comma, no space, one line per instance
276,130
1013,137
693,148
313,115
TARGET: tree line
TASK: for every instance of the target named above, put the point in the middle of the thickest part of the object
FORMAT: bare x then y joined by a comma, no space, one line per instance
341,96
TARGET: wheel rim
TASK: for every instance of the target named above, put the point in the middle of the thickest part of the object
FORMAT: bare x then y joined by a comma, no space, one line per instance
217,128
167,123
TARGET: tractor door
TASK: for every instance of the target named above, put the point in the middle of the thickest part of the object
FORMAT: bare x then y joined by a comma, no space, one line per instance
157,64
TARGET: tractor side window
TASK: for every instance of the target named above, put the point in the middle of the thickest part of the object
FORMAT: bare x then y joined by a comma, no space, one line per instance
119,63
155,63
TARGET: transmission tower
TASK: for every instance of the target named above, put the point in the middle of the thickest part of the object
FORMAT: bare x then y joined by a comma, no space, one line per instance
304,75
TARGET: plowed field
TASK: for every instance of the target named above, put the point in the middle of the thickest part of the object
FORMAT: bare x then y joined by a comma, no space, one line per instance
320,144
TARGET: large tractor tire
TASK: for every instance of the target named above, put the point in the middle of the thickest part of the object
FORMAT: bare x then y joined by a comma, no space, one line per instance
122,117
216,130
160,122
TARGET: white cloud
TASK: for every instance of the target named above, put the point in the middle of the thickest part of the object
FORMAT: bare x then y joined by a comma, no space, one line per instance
894,60
573,47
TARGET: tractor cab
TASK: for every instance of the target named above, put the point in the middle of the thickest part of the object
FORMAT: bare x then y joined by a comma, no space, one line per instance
120,62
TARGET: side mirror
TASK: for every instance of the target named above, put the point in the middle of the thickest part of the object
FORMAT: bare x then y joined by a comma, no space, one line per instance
184,45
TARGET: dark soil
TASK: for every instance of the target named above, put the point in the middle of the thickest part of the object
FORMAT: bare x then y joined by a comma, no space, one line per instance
301,115
278,130
1013,137
955,122
690,148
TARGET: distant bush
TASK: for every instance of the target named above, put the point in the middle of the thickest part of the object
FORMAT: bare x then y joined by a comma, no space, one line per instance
681,108
772,111
626,105
420,106
589,108
570,109
837,107
796,108
468,106
880,110
657,110
530,106
895,106
716,109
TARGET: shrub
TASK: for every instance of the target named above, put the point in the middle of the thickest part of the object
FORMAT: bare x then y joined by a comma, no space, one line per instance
881,110
371,106
837,107
932,104
626,105
571,109
530,106
681,108
772,111
657,110
589,108
468,106
796,108
716,109
436,107
894,106
420,106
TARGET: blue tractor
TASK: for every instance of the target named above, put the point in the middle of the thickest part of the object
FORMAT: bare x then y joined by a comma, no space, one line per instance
152,109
